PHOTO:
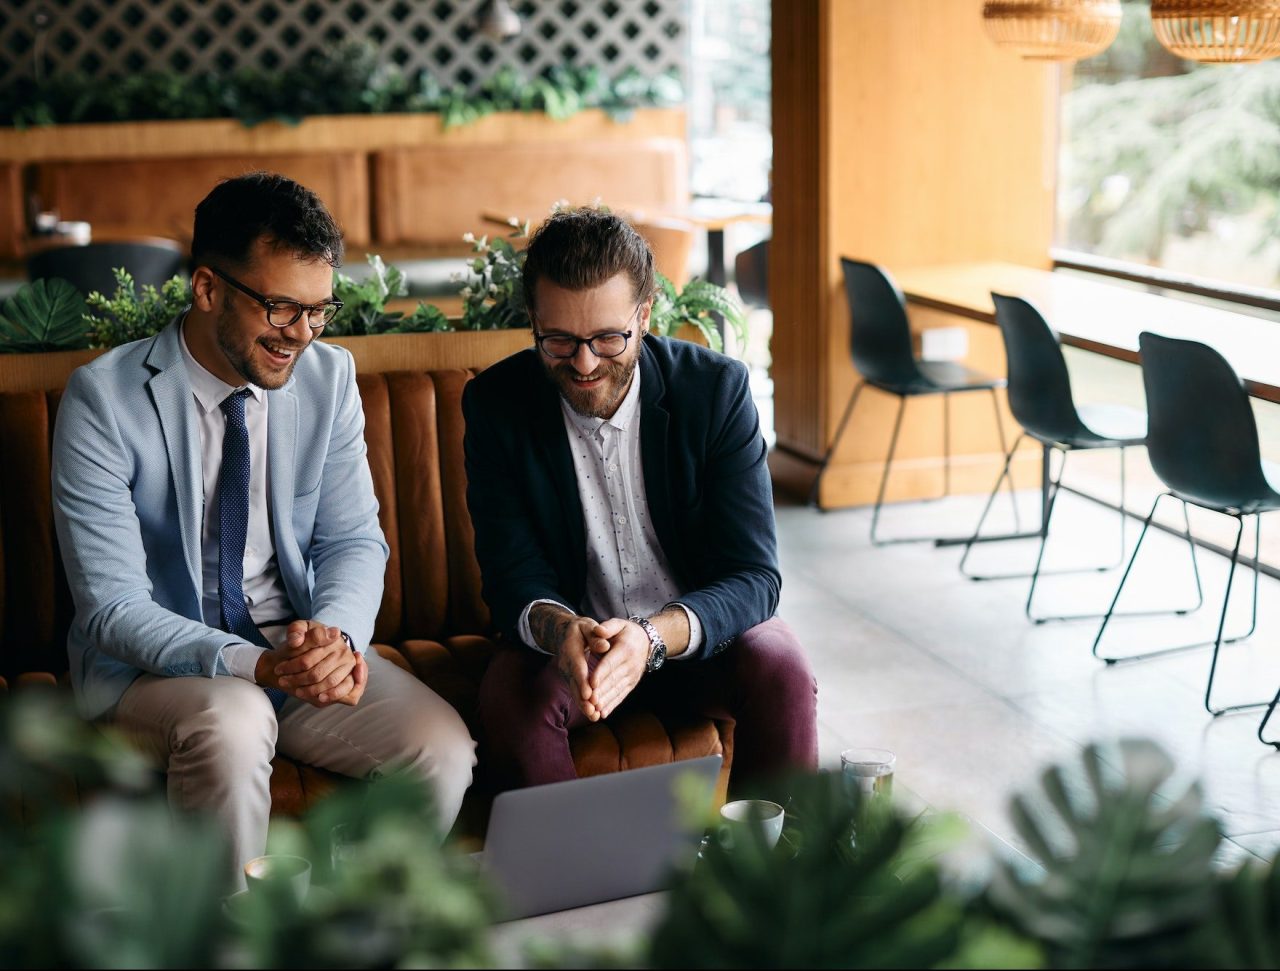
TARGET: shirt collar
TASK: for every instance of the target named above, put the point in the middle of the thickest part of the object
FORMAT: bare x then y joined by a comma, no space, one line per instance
621,419
209,389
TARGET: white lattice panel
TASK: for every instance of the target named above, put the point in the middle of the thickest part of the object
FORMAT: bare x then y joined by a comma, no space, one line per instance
106,38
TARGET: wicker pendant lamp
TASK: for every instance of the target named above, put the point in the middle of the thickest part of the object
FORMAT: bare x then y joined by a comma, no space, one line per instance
1218,30
1053,30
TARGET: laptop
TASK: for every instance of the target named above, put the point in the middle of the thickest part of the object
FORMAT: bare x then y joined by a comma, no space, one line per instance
585,841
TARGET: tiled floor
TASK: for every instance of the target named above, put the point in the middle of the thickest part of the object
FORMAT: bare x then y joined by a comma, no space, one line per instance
975,700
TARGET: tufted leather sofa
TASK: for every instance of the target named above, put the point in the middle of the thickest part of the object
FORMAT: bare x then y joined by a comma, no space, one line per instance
432,620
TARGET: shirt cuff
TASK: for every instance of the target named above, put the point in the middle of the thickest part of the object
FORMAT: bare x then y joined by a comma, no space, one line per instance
695,634
241,660
523,630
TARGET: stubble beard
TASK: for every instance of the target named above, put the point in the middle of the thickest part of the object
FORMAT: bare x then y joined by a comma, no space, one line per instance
239,351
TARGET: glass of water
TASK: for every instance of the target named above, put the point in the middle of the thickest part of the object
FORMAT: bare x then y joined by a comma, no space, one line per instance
868,772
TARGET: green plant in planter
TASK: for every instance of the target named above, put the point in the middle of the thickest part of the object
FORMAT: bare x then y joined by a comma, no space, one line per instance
364,305
45,315
133,313
492,291
696,305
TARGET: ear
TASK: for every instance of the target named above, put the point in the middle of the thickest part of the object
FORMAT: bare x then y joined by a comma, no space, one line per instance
203,283
645,310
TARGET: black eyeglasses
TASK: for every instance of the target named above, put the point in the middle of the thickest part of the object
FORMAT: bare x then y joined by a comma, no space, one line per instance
283,313
565,346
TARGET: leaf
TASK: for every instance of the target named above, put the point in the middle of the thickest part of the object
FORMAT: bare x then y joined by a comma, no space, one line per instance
46,315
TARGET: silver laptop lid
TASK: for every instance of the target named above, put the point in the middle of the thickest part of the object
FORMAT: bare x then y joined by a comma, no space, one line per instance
569,844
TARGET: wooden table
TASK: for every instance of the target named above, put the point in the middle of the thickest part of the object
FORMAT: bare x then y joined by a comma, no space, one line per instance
1102,317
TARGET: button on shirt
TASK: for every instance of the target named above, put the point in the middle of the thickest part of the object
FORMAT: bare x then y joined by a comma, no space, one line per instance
627,572
264,592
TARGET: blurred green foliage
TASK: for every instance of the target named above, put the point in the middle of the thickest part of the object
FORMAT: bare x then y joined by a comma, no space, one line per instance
348,79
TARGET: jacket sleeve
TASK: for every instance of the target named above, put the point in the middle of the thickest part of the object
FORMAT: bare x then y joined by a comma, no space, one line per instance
101,543
348,551
514,571
741,532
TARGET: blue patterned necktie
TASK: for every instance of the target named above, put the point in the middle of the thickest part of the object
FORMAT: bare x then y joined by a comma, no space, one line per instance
233,527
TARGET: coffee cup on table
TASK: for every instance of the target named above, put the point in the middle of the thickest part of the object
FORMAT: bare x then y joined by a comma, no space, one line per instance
279,870
739,818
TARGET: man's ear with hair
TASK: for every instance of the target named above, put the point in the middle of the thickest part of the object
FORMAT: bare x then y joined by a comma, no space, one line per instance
202,286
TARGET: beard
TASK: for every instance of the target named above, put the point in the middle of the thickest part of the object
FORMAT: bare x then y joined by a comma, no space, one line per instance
250,364
601,401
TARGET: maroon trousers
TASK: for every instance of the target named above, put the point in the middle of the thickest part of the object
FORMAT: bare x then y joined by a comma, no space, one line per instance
762,681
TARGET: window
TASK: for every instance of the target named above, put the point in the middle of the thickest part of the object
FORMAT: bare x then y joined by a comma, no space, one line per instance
1172,164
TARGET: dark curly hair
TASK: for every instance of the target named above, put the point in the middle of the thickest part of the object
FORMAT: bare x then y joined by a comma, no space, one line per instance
263,205
579,249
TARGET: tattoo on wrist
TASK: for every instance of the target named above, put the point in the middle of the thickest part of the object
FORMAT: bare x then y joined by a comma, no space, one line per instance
549,625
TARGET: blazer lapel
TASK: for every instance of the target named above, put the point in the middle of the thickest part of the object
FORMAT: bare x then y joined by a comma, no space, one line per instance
655,427
282,444
170,389
548,430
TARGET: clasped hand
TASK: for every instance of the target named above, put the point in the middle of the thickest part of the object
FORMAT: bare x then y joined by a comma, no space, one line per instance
315,665
602,662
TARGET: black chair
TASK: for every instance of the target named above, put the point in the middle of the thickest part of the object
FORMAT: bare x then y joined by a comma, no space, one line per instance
89,267
1041,400
1203,444
751,274
880,342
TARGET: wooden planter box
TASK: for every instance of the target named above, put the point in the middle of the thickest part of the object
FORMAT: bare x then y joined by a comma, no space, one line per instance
385,352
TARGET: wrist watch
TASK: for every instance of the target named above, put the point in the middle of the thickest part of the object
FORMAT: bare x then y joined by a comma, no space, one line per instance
347,637
657,646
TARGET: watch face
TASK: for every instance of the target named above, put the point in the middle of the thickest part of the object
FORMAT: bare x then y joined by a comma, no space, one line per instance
657,656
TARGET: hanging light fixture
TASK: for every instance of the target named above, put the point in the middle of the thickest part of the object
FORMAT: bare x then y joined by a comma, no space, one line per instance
1053,30
1218,30
496,19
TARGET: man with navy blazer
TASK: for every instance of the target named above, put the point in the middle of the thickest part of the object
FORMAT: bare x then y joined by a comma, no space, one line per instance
623,514
217,520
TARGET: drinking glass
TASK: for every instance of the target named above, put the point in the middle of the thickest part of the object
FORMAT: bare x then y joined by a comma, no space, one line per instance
868,772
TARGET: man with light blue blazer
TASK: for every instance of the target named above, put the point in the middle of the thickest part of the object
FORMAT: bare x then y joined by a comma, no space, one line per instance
217,520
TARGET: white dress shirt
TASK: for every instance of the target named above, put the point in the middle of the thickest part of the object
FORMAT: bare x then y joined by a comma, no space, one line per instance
264,592
627,572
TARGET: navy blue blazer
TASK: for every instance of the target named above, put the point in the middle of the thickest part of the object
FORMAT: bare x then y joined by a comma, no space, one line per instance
705,476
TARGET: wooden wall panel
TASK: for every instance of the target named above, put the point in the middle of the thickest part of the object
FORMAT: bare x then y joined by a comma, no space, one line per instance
158,196
13,220
432,194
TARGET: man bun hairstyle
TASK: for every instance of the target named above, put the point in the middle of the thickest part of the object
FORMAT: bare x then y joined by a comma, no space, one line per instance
581,248
289,216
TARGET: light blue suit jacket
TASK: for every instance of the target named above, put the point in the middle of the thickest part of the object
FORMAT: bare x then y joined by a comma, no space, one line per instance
129,503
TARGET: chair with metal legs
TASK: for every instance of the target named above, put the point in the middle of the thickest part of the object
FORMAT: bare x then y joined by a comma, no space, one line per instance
880,343
1203,444
1041,400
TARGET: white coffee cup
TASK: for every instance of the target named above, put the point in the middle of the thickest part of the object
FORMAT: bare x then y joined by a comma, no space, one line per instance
293,872
739,817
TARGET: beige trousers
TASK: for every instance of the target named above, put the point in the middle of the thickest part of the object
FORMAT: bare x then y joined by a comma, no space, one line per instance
216,737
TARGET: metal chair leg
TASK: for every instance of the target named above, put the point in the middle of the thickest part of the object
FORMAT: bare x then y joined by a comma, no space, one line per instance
1222,620
1013,492
977,532
884,481
826,459
1052,486
1217,643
